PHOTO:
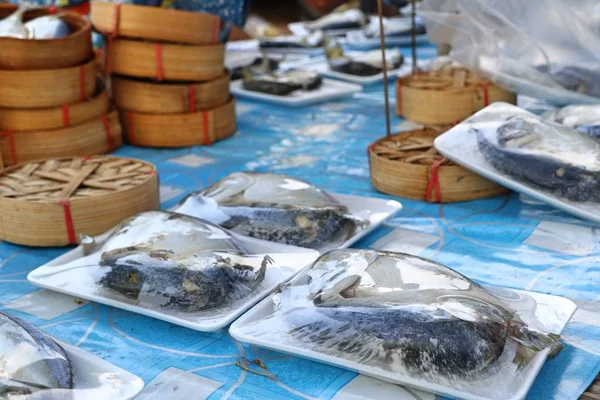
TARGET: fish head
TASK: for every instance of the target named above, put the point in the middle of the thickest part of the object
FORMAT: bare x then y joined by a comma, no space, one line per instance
337,271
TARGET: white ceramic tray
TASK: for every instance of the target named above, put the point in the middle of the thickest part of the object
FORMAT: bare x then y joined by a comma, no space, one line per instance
79,280
299,29
358,41
236,59
95,378
319,64
550,311
460,145
329,90
371,209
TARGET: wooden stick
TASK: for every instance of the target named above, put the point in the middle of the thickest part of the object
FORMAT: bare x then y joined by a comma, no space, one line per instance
413,35
385,77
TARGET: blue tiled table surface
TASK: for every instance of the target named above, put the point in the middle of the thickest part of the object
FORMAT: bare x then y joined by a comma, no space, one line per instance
505,240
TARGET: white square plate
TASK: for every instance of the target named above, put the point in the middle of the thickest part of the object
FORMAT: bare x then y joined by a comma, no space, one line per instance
371,209
460,145
80,280
319,64
329,90
96,378
552,312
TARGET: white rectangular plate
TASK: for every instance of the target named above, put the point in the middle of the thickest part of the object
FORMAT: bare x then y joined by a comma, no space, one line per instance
460,145
371,209
96,378
555,311
329,90
81,282
319,64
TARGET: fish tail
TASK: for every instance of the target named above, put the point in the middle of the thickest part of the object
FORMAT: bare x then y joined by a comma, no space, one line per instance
531,342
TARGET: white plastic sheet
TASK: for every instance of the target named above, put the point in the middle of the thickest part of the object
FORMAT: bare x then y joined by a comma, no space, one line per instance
546,49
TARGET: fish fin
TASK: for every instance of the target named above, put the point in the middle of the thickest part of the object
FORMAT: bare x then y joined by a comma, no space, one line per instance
534,341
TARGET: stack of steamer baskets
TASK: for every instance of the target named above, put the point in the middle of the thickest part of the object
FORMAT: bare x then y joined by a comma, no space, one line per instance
167,74
52,104
407,164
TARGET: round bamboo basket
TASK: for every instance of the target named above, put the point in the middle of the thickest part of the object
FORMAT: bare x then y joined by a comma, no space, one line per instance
53,202
170,62
55,117
169,98
180,130
403,165
67,51
446,96
153,23
97,136
44,88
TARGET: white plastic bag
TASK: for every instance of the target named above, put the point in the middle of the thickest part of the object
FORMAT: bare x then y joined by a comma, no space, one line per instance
546,49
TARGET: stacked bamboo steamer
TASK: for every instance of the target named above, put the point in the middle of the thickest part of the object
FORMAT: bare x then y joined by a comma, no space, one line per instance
167,74
407,164
52,103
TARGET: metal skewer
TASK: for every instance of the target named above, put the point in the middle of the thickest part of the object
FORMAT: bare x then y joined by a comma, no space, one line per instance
384,64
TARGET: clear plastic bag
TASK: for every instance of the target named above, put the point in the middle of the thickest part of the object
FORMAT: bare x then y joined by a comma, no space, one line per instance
396,314
546,49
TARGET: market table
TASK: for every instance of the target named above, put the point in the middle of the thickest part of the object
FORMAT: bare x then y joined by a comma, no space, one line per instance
506,240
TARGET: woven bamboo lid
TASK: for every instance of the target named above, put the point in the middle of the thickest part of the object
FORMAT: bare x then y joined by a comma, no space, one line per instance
97,136
67,51
408,165
155,23
17,119
446,96
180,130
52,202
169,62
42,88
169,97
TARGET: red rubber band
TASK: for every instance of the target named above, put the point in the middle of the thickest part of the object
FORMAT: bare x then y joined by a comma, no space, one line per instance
369,148
85,158
215,29
205,123
130,129
82,82
399,97
11,143
65,112
110,143
116,17
486,95
434,182
192,98
150,172
69,221
52,10
159,62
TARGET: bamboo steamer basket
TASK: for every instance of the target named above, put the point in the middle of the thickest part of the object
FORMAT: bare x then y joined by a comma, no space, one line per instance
180,130
153,23
169,98
67,51
171,62
403,165
446,96
42,88
55,117
53,202
97,136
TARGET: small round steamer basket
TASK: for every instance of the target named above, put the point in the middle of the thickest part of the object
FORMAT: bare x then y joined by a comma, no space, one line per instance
43,88
53,202
161,61
144,96
155,23
180,130
408,165
68,51
17,119
446,96
98,136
